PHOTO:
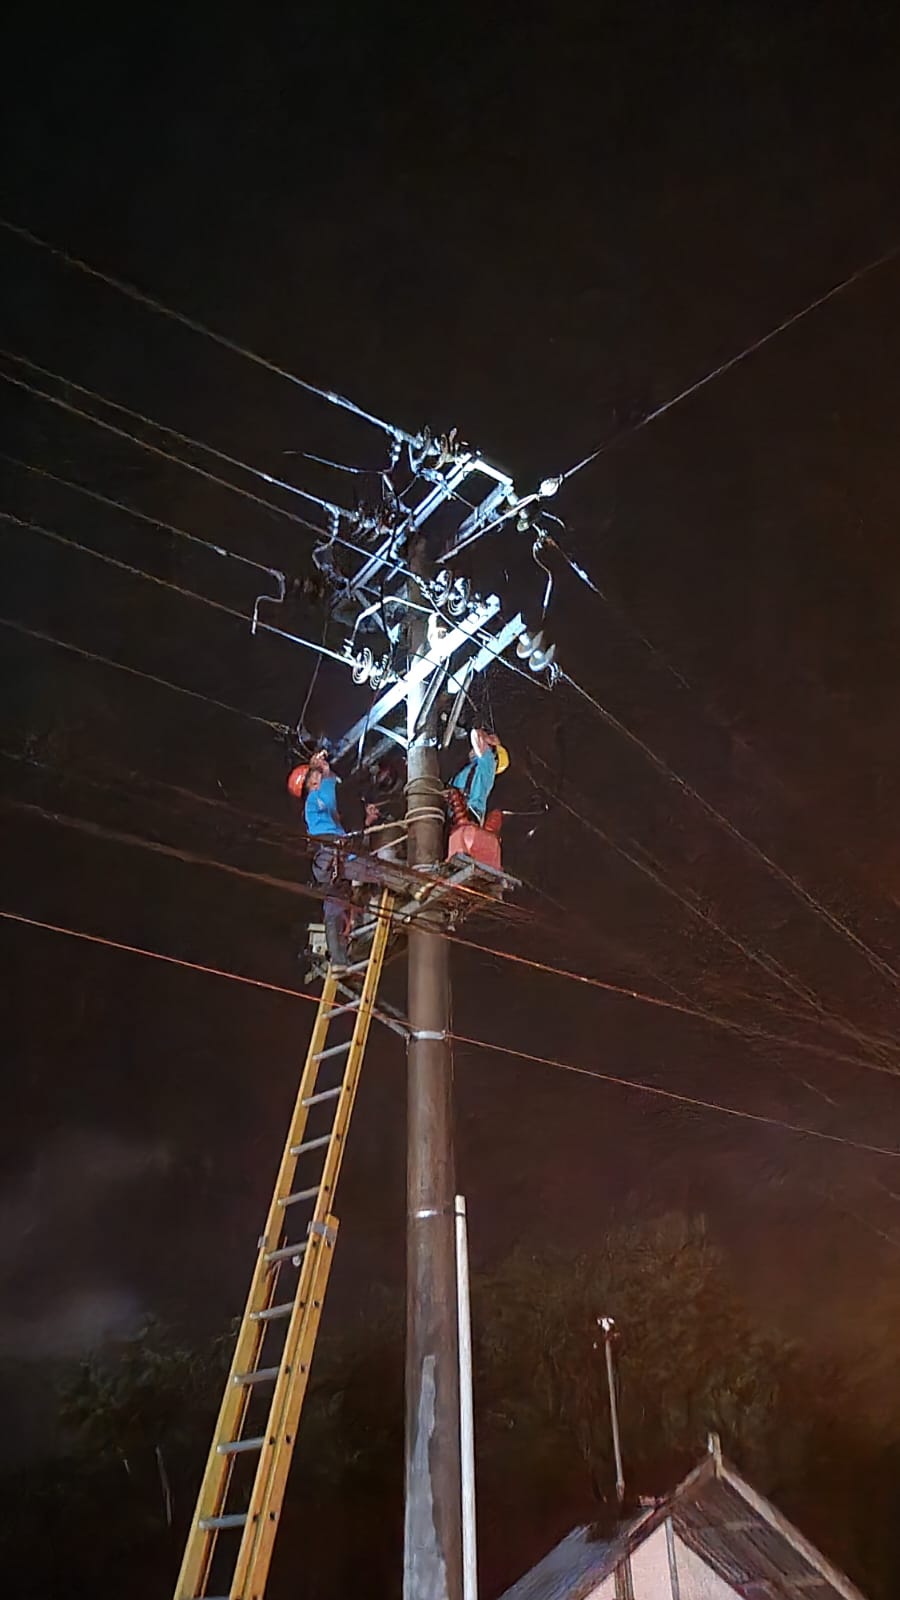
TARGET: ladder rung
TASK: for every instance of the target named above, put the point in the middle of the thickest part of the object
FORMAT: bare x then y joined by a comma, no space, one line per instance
261,1375
302,1194
340,1011
324,1094
358,966
272,1313
364,927
310,1144
233,1446
286,1252
333,1050
233,1519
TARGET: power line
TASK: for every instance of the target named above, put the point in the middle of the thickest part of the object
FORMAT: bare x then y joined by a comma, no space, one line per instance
174,433
308,891
247,494
237,488
772,967
742,1029
135,839
733,361
98,830
166,455
165,583
683,1099
152,304
157,955
142,516
192,858
134,783
877,962
135,672
477,1044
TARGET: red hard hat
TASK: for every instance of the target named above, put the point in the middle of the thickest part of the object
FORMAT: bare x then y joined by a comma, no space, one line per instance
297,779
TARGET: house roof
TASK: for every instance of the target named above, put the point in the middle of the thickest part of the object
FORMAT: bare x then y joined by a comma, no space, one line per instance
724,1521
568,1571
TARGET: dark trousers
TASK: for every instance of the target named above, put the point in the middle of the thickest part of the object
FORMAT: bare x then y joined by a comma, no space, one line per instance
334,910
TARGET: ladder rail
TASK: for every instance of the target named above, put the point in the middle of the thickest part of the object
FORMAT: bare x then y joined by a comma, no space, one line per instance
255,1554
255,1550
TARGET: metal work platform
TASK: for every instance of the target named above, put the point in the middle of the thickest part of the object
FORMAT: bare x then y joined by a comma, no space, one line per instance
457,887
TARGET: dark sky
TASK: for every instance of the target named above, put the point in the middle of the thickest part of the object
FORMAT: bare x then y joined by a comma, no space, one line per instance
536,224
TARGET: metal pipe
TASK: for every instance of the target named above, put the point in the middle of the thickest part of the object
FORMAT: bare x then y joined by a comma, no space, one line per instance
607,1324
466,1406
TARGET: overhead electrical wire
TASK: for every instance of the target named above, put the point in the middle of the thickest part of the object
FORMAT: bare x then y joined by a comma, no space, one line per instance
311,892
729,1024
140,516
761,958
166,583
636,1085
135,672
682,1099
138,572
153,304
174,433
292,847
594,942
166,455
877,962
159,307
247,494
149,301
725,366
133,783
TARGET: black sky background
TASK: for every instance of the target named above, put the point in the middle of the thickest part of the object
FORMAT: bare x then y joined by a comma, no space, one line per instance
535,224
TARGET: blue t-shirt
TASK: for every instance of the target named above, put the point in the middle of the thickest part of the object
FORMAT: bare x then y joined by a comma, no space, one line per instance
476,782
321,810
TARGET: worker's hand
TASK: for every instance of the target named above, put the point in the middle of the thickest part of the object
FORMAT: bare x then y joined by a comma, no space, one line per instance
373,813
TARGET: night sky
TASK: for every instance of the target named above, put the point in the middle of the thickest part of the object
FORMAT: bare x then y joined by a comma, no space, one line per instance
535,224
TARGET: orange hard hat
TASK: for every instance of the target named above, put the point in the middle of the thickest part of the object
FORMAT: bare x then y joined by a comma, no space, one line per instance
297,779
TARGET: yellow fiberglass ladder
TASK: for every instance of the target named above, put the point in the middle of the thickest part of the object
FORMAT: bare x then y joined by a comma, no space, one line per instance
239,1506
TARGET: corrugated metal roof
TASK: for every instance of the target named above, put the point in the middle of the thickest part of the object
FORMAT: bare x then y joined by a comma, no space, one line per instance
739,1535
568,1572
745,1549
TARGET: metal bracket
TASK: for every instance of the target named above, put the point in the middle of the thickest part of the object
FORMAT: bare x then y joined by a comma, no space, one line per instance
322,1231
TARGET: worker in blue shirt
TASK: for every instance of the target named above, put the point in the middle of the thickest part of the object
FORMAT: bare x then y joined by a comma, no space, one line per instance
476,780
316,785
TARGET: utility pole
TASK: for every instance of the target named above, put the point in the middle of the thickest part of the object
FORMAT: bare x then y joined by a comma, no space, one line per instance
453,636
432,1564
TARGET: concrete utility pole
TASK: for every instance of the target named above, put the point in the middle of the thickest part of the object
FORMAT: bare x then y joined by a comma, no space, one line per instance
432,1565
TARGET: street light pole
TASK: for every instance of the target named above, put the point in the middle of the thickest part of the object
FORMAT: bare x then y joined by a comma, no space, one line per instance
608,1326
